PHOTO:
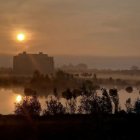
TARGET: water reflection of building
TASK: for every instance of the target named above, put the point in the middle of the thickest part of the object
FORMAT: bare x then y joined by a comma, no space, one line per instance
26,64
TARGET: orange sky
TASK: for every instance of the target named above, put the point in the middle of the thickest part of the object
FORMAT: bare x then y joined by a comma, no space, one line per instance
71,27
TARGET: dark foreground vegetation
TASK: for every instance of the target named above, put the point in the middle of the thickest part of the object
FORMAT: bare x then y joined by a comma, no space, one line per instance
80,127
93,119
83,116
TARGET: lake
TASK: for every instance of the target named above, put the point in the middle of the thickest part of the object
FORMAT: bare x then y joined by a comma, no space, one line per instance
8,98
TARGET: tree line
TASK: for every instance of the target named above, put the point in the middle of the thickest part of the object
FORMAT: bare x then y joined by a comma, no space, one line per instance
77,101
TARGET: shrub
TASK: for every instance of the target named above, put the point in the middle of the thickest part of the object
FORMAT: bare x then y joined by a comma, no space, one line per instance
54,107
29,106
129,89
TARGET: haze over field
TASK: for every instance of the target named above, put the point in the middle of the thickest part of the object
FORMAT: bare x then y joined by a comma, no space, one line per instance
71,27
92,62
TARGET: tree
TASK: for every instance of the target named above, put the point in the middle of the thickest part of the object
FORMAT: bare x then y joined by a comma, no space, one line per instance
55,92
53,107
76,93
87,88
90,105
61,75
67,94
106,102
29,106
115,98
129,89
95,77
134,68
71,100
137,106
129,107
71,106
95,104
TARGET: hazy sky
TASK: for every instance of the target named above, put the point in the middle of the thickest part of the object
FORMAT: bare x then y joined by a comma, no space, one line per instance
74,27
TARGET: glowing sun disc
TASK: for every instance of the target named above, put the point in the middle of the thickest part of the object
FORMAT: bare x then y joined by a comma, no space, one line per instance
21,37
18,98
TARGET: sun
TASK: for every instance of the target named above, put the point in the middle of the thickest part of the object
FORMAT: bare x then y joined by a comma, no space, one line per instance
18,98
21,37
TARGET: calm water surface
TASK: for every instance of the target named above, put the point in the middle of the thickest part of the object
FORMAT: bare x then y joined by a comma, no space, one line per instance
8,99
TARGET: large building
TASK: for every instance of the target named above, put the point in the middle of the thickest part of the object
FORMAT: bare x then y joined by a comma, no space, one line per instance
26,64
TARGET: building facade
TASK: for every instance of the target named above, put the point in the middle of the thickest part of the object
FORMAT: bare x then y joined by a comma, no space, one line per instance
26,64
